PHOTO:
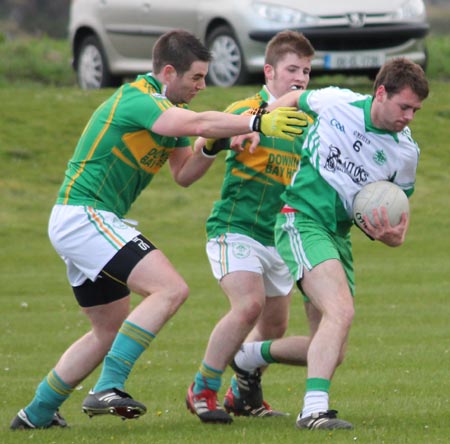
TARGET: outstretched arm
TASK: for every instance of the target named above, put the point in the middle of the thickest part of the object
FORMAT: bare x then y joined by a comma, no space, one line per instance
284,123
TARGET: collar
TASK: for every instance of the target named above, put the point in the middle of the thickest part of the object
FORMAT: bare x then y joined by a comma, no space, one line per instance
366,106
267,95
159,86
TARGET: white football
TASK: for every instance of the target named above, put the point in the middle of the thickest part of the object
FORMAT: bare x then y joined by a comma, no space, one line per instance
380,194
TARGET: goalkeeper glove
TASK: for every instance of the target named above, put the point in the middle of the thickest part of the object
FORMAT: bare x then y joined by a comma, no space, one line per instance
213,146
283,122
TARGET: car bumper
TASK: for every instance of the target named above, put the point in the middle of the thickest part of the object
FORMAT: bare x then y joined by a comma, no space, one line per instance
331,38
354,49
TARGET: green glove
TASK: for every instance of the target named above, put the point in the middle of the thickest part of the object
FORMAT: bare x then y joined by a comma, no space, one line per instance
213,146
283,122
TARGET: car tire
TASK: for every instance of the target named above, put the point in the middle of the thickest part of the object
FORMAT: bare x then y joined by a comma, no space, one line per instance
92,67
227,68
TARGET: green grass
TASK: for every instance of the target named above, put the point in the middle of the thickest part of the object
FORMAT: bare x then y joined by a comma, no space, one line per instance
394,385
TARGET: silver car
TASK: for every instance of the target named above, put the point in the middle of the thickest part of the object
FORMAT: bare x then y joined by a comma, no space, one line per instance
113,39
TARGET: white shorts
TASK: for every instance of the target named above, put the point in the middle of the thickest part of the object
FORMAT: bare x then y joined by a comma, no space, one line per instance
237,252
87,239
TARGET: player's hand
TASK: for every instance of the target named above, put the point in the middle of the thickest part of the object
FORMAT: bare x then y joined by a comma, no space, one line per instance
283,122
249,141
383,231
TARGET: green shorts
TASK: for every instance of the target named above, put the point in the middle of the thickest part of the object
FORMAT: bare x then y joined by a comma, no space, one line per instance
303,243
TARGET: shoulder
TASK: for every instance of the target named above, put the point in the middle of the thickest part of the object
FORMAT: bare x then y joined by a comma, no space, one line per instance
408,143
240,106
319,99
335,94
148,92
142,103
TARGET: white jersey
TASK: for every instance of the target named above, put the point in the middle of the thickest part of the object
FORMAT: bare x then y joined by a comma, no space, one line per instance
344,151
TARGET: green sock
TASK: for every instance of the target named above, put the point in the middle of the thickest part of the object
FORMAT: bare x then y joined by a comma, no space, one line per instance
131,341
207,378
265,352
318,384
49,396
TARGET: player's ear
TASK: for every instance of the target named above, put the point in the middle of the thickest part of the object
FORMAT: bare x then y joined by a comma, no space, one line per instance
168,73
268,71
381,93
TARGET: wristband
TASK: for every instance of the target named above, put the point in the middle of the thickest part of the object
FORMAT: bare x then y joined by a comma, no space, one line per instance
255,122
207,154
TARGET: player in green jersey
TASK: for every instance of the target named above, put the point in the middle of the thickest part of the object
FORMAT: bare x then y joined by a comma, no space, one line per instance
124,144
356,139
241,245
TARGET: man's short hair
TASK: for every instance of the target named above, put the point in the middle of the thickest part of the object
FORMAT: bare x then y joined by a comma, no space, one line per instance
180,49
399,73
286,42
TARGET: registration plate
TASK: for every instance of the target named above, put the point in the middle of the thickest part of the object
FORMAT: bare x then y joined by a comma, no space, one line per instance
353,60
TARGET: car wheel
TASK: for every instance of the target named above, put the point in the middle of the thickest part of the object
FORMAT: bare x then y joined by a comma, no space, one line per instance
92,67
227,66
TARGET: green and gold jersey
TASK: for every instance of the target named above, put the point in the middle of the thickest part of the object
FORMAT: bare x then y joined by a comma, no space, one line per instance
253,183
118,154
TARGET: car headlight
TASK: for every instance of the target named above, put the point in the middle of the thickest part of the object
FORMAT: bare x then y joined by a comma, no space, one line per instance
411,9
283,14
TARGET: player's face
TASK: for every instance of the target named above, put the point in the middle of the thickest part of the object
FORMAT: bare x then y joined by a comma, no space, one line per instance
291,72
183,88
395,112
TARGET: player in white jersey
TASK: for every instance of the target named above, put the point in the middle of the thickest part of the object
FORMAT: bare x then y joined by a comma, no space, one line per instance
355,140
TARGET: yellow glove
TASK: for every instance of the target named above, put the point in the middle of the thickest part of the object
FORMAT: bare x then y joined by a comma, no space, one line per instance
283,122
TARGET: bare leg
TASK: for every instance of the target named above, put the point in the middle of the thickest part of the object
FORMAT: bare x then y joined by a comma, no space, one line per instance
164,290
274,319
245,292
326,285
84,355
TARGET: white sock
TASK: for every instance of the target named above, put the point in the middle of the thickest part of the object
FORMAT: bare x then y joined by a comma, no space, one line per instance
315,401
249,357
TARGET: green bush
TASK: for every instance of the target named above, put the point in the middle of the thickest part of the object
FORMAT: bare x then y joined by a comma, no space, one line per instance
36,60
439,57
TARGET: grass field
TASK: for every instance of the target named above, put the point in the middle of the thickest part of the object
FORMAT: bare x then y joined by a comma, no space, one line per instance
394,385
